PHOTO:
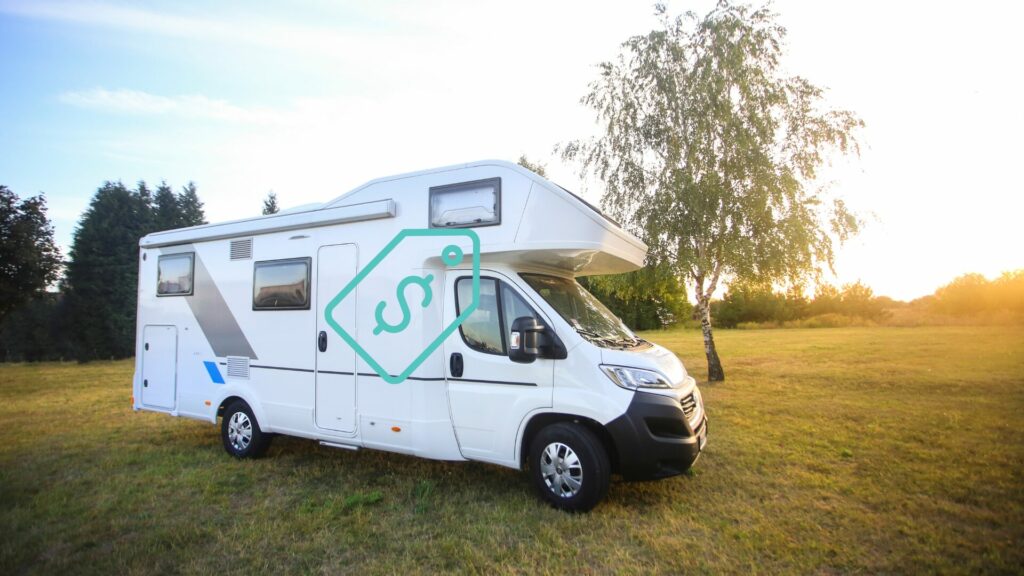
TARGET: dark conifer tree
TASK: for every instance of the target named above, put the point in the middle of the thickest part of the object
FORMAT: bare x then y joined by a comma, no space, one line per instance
102,274
147,216
270,204
166,211
190,206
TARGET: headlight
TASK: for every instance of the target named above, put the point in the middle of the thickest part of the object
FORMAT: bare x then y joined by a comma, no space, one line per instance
633,378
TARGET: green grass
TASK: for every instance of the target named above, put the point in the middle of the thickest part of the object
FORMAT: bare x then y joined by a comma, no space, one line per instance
839,450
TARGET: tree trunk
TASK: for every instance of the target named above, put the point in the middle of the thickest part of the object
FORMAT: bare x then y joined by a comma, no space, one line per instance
715,371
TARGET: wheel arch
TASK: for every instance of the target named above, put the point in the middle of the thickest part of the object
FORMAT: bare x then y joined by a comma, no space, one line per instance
230,396
538,422
228,401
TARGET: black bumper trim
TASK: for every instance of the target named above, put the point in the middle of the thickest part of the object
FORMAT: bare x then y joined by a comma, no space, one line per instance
653,438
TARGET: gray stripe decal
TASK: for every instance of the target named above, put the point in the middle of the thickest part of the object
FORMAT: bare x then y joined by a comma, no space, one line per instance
213,315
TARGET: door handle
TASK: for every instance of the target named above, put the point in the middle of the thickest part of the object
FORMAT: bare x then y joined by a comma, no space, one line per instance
456,365
321,341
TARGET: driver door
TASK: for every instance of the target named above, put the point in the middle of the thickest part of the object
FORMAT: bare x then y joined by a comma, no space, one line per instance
488,394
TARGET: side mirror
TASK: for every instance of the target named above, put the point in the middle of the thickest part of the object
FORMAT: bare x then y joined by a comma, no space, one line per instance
524,340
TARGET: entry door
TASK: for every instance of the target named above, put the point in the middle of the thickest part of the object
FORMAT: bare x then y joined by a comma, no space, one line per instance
335,359
490,395
159,366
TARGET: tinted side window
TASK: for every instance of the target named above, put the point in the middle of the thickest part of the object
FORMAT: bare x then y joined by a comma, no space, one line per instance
281,285
174,275
513,306
482,330
488,326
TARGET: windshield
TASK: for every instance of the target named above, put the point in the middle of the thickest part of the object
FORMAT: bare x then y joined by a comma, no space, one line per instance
582,311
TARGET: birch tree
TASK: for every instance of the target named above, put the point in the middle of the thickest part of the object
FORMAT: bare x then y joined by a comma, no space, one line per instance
710,152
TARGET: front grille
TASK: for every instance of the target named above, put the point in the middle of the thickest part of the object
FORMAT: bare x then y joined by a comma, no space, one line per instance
693,408
689,404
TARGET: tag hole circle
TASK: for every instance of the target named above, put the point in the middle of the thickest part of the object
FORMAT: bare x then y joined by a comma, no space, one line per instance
451,255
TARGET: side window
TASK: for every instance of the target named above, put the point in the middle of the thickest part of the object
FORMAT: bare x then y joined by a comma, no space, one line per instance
281,284
174,274
486,329
482,330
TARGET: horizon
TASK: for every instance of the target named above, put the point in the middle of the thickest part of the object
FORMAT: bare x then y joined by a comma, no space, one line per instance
248,98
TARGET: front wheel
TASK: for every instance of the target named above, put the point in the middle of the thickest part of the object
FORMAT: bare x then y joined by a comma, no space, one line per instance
241,433
569,467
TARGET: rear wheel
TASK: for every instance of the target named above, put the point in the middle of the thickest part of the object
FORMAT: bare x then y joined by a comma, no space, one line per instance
241,433
569,467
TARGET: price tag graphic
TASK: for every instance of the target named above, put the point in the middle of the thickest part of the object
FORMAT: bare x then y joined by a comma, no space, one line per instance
413,293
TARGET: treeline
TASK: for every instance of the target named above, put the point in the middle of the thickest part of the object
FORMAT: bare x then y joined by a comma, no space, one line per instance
92,315
968,299
975,295
745,305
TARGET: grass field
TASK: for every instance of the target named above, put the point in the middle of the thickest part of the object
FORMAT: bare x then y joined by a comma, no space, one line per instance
834,450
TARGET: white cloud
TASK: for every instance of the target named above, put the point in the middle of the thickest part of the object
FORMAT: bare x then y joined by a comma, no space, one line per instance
287,32
194,106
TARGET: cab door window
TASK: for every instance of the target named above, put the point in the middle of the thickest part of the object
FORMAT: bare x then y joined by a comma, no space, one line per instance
513,306
486,330
482,330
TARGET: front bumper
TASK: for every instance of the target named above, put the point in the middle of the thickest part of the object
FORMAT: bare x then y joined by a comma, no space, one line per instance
654,440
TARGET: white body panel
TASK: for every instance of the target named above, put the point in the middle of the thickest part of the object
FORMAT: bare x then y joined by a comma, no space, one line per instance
224,348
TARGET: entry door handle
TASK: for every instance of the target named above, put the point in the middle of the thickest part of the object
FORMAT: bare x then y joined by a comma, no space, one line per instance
456,365
321,341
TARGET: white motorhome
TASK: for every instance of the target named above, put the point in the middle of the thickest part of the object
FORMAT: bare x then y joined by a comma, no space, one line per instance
435,314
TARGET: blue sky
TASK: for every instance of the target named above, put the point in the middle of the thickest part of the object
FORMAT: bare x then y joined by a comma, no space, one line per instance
312,98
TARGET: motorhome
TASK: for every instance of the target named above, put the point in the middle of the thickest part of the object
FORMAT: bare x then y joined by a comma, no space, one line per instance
435,314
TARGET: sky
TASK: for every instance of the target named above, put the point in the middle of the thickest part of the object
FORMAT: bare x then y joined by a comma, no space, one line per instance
311,98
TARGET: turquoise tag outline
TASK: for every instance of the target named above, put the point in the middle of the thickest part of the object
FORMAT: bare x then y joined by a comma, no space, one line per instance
408,232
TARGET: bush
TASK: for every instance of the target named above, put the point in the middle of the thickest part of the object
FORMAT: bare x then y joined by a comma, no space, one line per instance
35,331
751,304
975,295
746,306
830,321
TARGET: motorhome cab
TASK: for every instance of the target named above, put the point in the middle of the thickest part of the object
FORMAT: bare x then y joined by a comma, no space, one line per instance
434,314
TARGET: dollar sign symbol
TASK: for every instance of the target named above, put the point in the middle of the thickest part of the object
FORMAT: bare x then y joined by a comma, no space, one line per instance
423,283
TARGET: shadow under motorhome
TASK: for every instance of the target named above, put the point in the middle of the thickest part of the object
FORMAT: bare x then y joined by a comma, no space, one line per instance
434,314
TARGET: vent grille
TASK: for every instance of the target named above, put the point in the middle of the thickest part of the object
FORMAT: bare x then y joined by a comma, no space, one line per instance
241,249
238,367
689,405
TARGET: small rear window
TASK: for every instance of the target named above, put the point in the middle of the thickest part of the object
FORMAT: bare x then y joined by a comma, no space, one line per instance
174,274
466,204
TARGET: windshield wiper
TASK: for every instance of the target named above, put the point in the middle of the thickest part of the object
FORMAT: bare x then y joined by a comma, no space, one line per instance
587,332
592,334
606,338
626,342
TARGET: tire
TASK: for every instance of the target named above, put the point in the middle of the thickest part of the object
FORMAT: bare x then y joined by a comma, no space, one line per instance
569,467
241,433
